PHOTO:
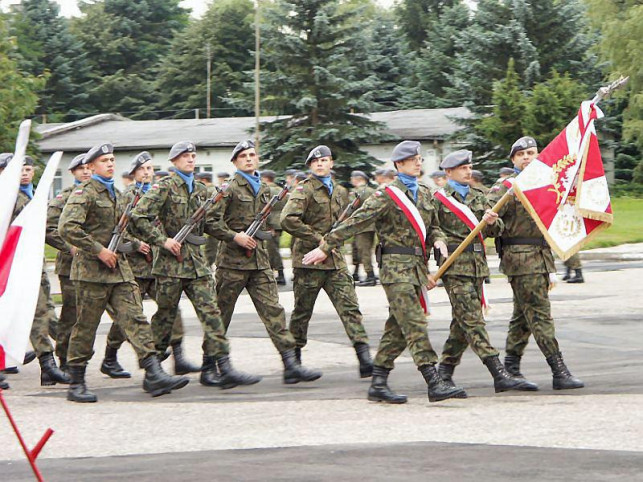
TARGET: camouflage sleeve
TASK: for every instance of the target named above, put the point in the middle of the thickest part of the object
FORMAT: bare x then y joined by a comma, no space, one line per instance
493,230
495,193
52,235
72,223
125,199
21,202
433,231
291,217
215,224
142,224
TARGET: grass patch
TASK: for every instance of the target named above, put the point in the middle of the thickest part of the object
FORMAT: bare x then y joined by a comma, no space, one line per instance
50,253
627,227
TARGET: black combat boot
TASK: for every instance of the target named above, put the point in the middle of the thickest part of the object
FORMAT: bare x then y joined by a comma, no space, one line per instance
356,273
446,374
110,365
294,372
578,277
3,382
502,379
512,365
298,355
63,364
438,390
568,274
379,390
77,391
230,377
365,361
281,278
182,366
10,371
563,379
156,381
370,280
209,372
50,374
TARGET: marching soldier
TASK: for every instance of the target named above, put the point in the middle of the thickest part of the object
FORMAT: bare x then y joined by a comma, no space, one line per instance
404,270
459,207
243,260
268,176
222,178
309,214
527,260
574,263
181,267
104,277
363,241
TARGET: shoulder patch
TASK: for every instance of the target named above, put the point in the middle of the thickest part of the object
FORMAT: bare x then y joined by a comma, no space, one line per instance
377,193
299,188
155,186
495,188
59,196
78,191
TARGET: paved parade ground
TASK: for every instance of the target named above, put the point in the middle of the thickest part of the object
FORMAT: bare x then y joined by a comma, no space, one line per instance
327,430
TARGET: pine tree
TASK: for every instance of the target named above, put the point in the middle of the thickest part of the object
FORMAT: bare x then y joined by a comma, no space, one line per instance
418,17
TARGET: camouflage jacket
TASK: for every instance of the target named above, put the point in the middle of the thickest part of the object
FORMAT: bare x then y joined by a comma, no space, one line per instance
520,259
161,214
52,235
21,201
137,261
87,222
234,214
274,222
468,263
393,229
365,192
308,215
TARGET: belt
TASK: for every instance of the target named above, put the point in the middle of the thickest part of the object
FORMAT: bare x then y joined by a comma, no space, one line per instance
530,241
402,250
471,248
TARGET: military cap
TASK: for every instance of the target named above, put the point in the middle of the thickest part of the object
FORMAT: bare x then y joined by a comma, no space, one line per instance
405,149
318,152
390,172
77,161
290,172
457,159
268,173
242,146
522,144
5,157
206,176
171,169
181,147
361,174
29,161
506,171
300,176
379,172
138,160
97,151
224,175
437,174
477,175
161,174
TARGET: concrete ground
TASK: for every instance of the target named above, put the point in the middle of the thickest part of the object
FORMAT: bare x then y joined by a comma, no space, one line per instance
327,430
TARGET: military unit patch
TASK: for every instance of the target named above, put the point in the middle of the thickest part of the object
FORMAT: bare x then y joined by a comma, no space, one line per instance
78,191
377,193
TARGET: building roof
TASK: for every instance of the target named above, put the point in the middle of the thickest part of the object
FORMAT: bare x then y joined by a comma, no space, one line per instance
125,134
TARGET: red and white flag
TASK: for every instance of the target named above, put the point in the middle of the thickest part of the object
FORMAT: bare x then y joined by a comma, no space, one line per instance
565,189
21,267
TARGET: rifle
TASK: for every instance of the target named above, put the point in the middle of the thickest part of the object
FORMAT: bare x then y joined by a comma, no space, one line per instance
185,232
261,216
350,209
116,244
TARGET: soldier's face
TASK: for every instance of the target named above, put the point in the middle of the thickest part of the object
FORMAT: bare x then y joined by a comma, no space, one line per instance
411,166
145,172
357,181
322,166
103,166
186,162
439,181
522,159
247,161
82,173
461,174
27,175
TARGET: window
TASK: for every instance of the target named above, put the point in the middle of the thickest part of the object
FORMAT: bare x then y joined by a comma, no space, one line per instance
57,185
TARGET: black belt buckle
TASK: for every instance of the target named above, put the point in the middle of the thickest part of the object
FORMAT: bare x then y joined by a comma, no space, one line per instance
418,251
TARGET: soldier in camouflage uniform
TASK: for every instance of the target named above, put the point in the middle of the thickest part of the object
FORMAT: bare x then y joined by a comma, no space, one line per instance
573,263
309,214
181,267
463,280
363,242
527,261
403,271
243,262
104,277
276,263
211,246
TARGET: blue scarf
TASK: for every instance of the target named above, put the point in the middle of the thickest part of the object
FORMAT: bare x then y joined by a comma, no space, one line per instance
77,182
108,183
326,181
146,186
27,189
253,179
461,189
188,178
411,183
516,170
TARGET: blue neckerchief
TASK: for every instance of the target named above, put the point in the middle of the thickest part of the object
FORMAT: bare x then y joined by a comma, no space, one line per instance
146,186
517,171
411,183
28,190
77,182
253,179
326,181
108,183
188,178
461,189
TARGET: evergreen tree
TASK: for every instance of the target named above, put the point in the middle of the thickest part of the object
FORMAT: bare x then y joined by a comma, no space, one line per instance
418,17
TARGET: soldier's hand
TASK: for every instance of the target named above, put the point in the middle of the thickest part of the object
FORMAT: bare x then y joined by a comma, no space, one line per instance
172,246
109,258
489,216
441,245
432,283
316,256
144,248
245,241
73,250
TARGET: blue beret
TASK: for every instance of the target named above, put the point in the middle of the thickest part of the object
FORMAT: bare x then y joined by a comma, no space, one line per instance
435,174
506,171
5,157
180,148
406,149
77,161
97,151
361,174
457,159
522,144
242,146
318,152
138,160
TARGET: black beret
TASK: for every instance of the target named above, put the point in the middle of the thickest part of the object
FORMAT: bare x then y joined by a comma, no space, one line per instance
171,169
161,174
361,174
138,160
242,146
300,175
206,176
97,151
477,175
318,152
506,171
522,144
28,161
181,147
406,149
457,159
5,157
290,172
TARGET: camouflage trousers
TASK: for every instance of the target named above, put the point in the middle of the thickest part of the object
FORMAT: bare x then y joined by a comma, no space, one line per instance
91,301
363,243
45,321
531,315
210,250
574,262
116,337
200,292
406,326
338,285
467,323
262,289
273,251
